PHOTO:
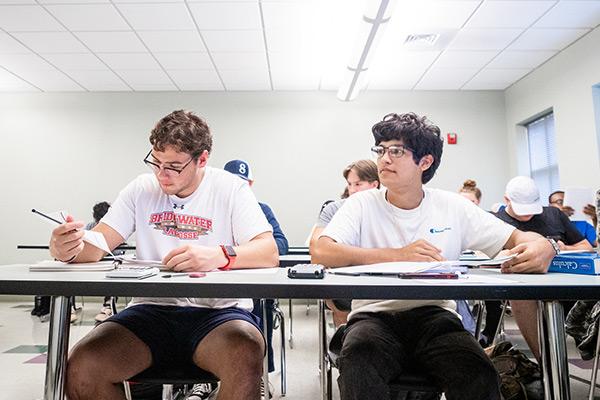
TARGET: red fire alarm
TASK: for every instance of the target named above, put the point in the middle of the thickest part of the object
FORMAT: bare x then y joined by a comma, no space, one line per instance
452,138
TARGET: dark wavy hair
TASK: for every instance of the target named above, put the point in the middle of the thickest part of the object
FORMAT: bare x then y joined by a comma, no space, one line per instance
416,133
184,131
100,210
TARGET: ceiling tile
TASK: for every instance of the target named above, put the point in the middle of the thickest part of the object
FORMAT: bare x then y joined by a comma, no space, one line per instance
12,83
431,15
495,79
547,39
248,79
289,40
226,16
18,63
17,2
158,16
154,87
72,1
111,42
89,17
292,71
445,78
464,59
51,42
244,61
201,79
84,61
52,81
144,77
572,14
234,41
144,1
521,59
99,80
173,41
508,14
125,61
27,19
394,79
404,59
483,39
9,45
184,61
299,15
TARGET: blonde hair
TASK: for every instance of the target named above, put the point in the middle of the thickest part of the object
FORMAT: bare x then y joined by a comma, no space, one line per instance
470,186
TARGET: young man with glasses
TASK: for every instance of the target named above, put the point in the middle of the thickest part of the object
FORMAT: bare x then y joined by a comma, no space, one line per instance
193,218
407,222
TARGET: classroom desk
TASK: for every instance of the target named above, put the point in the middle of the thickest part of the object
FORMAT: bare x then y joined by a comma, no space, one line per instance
17,280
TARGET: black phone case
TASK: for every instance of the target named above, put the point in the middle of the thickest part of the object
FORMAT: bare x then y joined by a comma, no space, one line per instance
297,274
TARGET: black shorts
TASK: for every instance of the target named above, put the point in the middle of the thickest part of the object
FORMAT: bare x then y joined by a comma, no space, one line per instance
172,333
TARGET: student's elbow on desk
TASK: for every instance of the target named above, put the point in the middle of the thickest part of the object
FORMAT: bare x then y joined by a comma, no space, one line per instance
322,251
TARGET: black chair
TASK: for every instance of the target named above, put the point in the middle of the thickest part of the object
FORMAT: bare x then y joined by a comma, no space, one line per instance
170,380
412,384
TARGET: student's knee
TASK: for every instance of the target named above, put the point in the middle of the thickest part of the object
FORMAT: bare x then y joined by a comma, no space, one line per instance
246,348
82,376
358,351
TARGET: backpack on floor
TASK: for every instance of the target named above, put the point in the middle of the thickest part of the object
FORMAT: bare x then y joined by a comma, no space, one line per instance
520,378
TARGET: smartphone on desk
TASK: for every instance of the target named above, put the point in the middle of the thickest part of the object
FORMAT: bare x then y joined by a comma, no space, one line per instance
306,271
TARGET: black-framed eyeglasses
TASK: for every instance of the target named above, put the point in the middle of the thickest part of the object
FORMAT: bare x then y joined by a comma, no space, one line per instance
156,167
395,151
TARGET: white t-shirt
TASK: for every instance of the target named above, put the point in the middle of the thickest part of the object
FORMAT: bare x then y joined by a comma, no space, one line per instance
446,220
222,210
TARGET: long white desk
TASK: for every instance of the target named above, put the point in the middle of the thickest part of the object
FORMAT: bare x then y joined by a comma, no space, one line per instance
16,279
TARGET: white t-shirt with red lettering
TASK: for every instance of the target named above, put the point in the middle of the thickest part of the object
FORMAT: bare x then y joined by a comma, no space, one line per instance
222,210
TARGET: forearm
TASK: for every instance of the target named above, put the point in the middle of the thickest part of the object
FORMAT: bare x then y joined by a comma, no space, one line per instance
584,245
89,254
518,237
332,254
260,252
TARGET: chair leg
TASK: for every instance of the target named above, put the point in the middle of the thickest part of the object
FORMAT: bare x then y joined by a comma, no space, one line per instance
501,322
479,320
282,355
127,390
291,326
595,367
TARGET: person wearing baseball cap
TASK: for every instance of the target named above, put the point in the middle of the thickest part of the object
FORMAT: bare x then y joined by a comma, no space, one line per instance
525,212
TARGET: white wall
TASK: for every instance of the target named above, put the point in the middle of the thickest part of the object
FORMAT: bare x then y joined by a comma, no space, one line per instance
563,84
68,151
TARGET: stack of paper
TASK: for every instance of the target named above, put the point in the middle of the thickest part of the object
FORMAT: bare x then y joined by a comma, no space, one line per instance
57,266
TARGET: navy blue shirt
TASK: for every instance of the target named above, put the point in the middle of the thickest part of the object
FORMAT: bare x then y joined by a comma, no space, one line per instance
282,242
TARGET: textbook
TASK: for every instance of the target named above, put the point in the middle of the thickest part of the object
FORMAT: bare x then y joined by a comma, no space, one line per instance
576,263
58,266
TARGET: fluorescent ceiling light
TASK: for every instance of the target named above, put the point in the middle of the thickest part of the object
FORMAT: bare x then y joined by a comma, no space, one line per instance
375,17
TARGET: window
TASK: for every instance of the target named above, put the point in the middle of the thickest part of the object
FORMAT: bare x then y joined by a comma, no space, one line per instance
543,162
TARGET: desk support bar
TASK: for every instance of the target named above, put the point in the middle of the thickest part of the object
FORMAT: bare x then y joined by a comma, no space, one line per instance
263,307
58,346
551,334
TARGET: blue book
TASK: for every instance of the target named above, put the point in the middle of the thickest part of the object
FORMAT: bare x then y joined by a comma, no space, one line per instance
576,263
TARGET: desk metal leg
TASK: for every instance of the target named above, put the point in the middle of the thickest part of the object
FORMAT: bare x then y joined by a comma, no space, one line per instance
553,350
263,306
58,347
322,349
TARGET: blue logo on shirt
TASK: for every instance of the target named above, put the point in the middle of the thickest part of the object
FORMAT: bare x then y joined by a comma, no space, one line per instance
434,230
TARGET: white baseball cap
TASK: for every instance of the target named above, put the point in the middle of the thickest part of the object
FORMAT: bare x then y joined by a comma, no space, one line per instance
524,196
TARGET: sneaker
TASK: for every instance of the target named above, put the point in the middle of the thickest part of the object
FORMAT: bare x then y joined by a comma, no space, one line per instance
203,391
104,313
262,390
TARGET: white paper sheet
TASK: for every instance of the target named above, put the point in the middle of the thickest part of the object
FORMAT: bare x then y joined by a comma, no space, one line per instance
97,239
577,198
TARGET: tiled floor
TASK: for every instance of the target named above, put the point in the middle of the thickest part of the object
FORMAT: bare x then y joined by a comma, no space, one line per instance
23,341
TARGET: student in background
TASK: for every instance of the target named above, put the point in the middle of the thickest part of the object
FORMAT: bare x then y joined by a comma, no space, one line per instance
524,211
408,222
557,198
470,191
242,170
193,218
359,175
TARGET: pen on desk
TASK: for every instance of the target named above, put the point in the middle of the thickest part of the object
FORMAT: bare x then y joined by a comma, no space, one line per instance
175,274
449,275
33,210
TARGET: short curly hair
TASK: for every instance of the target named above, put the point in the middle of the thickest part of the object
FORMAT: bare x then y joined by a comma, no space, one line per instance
184,131
416,133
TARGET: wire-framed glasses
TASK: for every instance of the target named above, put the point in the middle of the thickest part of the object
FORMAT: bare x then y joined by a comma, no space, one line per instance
395,151
156,167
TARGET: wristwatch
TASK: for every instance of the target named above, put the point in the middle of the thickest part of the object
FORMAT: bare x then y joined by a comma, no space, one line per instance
230,254
554,245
